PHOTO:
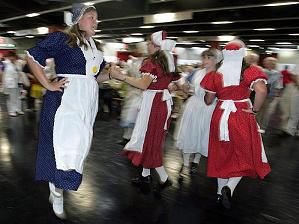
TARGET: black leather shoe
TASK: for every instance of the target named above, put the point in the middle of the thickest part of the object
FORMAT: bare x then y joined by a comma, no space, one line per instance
143,183
123,142
161,187
219,199
226,197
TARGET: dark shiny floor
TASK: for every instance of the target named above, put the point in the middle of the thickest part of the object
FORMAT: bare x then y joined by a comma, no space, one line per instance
106,195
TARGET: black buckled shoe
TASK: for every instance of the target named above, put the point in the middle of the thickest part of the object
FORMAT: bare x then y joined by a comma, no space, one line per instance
143,183
161,187
123,142
226,197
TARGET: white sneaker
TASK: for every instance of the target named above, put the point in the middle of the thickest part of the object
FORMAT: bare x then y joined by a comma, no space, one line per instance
20,112
12,114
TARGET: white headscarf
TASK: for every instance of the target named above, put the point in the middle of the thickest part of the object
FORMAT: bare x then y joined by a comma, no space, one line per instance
233,55
166,45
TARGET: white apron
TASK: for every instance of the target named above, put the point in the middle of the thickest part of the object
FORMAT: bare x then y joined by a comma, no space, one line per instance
74,118
139,132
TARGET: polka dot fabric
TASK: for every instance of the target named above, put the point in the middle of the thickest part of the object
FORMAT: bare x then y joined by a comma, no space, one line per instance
68,61
242,155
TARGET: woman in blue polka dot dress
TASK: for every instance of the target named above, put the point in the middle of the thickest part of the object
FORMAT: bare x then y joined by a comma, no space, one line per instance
70,104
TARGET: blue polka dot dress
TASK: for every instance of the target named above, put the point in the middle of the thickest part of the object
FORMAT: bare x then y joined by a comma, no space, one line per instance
71,61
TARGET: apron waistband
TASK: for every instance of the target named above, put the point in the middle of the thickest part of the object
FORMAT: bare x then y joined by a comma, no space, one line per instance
228,106
166,97
75,76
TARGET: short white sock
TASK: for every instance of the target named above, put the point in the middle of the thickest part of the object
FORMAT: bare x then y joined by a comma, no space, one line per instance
146,172
233,182
186,158
221,183
162,173
197,158
57,192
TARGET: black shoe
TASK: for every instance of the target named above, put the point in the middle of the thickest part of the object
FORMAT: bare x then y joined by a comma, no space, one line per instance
123,142
161,187
226,197
284,134
143,183
194,168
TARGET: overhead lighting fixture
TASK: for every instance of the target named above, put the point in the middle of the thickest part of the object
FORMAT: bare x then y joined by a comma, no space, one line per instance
11,32
253,46
89,3
29,36
146,27
32,14
129,40
256,40
97,30
294,34
264,29
282,43
190,31
226,38
282,4
164,17
42,30
172,37
167,17
136,34
269,52
222,22
195,47
99,21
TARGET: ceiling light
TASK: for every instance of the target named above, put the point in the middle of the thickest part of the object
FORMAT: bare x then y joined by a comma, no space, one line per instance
253,46
190,31
283,43
172,37
136,34
282,3
269,52
99,21
11,32
164,17
226,38
264,29
294,34
42,30
257,40
146,27
97,30
89,3
32,14
128,40
222,22
29,36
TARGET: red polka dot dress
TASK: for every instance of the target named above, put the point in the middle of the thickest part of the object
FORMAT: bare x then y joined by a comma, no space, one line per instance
146,144
243,154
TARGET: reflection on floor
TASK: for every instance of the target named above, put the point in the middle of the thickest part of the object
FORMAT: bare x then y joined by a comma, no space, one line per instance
106,195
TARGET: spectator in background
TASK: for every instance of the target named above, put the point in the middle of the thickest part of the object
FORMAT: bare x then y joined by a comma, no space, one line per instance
10,81
274,86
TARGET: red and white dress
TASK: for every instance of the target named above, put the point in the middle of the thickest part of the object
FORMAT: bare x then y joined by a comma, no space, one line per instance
235,145
146,144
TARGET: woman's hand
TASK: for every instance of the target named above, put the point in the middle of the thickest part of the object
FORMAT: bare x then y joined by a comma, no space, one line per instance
116,72
57,85
249,110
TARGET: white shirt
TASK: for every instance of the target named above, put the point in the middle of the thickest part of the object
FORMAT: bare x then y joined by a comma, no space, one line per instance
11,75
